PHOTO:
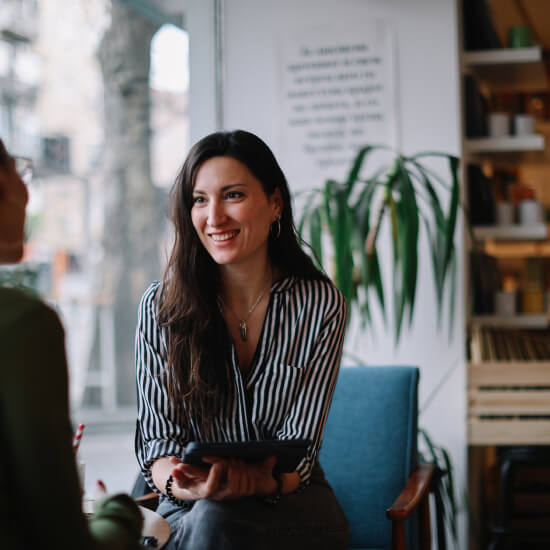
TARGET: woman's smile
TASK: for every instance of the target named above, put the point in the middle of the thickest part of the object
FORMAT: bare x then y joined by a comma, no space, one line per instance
224,237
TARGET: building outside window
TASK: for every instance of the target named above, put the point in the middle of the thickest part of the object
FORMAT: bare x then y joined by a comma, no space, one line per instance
102,110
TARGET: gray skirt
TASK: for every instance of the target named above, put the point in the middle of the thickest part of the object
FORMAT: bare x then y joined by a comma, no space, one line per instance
310,518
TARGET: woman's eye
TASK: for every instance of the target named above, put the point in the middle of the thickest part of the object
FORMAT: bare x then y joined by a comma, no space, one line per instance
234,195
198,200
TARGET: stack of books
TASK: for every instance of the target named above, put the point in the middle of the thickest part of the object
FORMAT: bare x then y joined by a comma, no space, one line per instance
496,344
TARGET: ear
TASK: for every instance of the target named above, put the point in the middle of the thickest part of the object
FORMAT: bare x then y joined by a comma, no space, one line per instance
277,204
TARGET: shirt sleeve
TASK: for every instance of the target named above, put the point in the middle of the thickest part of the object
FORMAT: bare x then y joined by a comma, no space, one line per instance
308,414
159,430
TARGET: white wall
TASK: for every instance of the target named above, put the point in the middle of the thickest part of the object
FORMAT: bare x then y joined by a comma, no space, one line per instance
427,86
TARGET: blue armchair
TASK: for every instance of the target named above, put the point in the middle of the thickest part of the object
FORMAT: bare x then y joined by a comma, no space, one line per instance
369,456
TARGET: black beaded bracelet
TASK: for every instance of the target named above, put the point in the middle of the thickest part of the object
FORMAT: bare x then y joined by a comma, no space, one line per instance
276,497
169,494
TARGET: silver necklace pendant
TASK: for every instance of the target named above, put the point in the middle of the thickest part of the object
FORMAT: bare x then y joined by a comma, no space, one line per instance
243,327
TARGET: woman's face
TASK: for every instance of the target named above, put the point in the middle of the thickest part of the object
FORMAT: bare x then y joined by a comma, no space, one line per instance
231,213
13,201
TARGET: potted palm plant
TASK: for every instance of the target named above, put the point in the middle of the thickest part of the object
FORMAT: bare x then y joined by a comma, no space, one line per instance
350,213
410,194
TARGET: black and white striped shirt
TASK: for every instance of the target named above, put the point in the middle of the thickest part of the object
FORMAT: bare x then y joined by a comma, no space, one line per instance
286,393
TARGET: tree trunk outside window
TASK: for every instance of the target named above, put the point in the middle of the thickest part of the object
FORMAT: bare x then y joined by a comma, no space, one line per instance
132,213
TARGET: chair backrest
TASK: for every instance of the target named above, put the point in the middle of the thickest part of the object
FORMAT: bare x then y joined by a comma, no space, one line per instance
370,446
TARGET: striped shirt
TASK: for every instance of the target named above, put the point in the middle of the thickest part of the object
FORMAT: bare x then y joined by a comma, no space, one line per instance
286,393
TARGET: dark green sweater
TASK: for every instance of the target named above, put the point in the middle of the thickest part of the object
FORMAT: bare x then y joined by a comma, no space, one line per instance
39,489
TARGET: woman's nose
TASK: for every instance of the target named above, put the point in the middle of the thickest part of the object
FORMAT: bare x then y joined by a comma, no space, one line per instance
216,214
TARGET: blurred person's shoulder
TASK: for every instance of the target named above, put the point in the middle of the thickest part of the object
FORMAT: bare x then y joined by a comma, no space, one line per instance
20,308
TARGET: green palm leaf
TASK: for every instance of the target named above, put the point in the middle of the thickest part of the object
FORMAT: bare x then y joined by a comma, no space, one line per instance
352,212
356,168
315,233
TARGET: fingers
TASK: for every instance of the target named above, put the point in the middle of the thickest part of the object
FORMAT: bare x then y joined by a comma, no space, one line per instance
213,486
100,489
237,478
190,471
269,463
227,478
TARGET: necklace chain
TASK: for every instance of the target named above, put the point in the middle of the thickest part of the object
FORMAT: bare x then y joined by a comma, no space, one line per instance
242,321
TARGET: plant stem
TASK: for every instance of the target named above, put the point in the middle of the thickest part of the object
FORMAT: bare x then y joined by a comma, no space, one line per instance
373,231
375,228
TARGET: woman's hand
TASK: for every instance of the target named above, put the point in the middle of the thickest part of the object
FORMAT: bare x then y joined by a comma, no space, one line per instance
227,479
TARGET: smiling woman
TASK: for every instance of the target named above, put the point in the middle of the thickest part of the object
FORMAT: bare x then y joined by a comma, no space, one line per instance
235,361
232,214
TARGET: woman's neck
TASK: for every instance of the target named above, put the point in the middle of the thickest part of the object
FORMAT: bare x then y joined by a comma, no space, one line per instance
243,284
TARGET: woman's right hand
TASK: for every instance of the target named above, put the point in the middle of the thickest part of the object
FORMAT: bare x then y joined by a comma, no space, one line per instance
227,479
192,483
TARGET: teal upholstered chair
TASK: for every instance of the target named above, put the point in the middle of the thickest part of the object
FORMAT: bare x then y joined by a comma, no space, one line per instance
369,455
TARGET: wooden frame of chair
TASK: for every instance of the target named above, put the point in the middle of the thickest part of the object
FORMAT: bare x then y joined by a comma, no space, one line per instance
414,495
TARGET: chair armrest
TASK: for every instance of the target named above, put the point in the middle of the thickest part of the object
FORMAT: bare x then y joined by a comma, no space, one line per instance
150,501
417,487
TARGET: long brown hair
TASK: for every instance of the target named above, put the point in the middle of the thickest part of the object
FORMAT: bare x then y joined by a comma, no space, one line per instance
199,344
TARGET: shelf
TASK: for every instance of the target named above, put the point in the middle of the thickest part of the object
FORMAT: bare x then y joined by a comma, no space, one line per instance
509,373
508,432
509,403
516,232
509,69
517,250
505,144
522,321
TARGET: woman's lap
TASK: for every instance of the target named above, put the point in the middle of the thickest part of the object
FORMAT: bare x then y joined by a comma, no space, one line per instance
309,519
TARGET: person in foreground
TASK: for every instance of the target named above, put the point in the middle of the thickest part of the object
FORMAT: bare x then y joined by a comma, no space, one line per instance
40,496
240,341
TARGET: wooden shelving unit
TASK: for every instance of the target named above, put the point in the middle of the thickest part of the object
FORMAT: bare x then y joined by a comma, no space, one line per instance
521,321
508,144
508,375
501,414
514,232
517,250
509,400
518,69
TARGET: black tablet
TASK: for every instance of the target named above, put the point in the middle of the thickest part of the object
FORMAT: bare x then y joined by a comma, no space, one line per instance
289,452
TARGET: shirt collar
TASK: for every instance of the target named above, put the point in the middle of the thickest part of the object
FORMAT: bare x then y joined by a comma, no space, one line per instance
284,284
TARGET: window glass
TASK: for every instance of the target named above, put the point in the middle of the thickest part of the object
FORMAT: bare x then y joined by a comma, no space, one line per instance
100,105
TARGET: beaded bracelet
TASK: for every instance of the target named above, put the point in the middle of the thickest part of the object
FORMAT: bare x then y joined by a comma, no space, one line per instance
169,494
276,497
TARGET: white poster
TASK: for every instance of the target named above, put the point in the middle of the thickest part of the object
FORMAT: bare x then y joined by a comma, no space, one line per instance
337,96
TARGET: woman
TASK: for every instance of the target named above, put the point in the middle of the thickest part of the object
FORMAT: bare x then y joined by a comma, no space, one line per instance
40,497
241,341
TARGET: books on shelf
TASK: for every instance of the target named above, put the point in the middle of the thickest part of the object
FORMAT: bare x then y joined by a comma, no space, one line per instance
496,344
481,197
486,280
476,109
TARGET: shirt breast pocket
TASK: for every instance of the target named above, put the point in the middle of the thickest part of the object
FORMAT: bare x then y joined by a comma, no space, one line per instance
285,386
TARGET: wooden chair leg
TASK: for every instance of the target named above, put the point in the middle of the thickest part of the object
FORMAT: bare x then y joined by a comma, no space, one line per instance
424,524
398,535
